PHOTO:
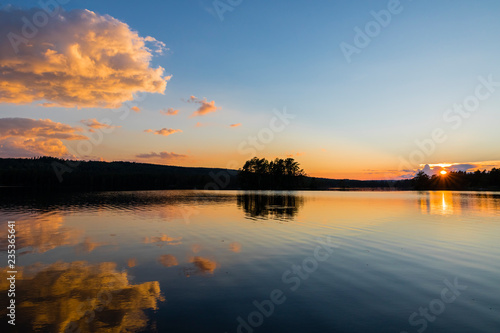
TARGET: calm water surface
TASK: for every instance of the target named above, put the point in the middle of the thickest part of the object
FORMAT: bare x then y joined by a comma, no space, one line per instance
229,261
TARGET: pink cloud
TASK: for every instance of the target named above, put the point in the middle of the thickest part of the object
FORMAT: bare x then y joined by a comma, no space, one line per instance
235,125
135,109
164,131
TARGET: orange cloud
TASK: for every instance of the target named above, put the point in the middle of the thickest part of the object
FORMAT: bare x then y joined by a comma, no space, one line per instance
204,265
169,112
74,292
42,233
235,125
95,124
164,131
196,248
79,59
24,137
135,109
163,155
205,106
32,128
168,260
87,246
163,240
132,262
235,247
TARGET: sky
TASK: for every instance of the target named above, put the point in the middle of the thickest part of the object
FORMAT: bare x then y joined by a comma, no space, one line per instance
349,89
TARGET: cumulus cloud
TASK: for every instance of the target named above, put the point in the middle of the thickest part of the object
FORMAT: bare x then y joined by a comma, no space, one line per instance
205,106
164,131
70,287
135,109
235,125
169,112
428,170
95,124
78,59
163,155
24,137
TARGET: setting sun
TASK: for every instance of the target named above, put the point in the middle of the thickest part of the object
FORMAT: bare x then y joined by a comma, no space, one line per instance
443,172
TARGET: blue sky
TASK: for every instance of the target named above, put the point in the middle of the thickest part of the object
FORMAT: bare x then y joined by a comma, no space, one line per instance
265,55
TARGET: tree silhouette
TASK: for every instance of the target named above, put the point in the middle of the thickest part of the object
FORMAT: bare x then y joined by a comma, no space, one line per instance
458,180
282,206
278,174
421,181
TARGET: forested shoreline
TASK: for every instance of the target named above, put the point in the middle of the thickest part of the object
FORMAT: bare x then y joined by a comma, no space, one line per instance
53,174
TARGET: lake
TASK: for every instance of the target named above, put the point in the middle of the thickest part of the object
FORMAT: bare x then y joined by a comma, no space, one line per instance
240,261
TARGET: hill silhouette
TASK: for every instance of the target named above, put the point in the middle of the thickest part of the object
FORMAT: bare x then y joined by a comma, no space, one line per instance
54,174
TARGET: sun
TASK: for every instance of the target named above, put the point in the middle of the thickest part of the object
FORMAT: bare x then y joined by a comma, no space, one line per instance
443,172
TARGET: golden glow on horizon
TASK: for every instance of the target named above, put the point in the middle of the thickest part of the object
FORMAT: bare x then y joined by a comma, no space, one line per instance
442,165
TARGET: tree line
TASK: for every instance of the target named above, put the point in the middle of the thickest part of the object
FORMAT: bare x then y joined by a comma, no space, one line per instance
41,173
458,180
256,173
